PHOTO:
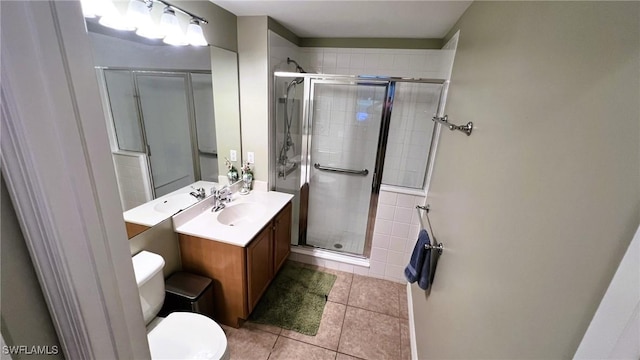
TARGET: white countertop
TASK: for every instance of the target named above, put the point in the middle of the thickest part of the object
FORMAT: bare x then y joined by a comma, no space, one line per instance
206,225
157,210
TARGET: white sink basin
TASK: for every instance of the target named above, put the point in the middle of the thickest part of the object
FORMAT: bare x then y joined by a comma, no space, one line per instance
241,213
175,203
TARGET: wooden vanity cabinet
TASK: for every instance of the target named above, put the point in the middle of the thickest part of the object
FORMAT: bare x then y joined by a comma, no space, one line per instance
134,229
240,275
282,240
259,266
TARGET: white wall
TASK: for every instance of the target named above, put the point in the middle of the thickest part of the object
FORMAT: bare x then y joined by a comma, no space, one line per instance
536,208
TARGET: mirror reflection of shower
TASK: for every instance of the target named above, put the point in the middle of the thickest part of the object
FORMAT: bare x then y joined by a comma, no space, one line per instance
285,165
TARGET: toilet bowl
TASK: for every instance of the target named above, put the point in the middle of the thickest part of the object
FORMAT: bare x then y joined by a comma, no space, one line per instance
181,335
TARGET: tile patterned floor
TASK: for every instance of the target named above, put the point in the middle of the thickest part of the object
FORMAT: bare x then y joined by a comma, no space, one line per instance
365,318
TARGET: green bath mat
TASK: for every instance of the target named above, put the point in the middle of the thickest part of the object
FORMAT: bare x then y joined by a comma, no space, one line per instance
295,299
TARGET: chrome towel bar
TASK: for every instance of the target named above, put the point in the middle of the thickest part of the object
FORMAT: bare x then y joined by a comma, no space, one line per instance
467,129
437,246
339,170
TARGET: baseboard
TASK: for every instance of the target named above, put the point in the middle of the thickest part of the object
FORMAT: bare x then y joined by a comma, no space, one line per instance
412,325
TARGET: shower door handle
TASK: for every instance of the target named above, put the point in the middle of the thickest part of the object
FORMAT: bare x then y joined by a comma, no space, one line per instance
363,172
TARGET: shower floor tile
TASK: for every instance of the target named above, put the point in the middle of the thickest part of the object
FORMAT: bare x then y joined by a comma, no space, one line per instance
348,242
351,328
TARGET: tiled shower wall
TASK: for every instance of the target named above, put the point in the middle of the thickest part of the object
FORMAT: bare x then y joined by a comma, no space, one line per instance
397,222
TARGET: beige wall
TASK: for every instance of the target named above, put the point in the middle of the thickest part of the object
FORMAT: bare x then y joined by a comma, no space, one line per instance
226,100
537,206
161,240
254,91
25,316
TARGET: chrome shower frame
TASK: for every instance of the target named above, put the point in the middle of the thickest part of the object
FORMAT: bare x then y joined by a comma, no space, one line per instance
306,133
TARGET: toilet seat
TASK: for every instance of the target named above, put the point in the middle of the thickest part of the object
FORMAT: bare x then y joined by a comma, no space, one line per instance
185,335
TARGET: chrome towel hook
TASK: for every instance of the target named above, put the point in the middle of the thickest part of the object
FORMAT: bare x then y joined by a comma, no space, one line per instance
467,129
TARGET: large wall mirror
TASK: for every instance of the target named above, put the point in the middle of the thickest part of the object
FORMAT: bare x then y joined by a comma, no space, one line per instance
172,115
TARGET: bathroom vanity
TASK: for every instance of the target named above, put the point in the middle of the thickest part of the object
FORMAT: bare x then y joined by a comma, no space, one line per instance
240,247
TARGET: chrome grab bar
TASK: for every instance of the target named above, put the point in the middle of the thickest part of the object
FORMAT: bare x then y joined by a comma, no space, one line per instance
339,170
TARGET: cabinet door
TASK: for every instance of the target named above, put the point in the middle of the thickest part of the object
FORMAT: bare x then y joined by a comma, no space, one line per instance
282,237
259,266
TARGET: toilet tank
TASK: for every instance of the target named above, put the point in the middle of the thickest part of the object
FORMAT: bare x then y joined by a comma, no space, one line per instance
147,267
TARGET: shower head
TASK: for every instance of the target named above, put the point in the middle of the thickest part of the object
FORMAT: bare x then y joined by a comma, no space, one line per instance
296,81
298,67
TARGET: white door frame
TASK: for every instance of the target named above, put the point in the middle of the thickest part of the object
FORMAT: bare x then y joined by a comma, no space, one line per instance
614,331
58,169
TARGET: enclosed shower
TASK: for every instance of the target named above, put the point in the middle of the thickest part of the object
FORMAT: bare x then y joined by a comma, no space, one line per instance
338,139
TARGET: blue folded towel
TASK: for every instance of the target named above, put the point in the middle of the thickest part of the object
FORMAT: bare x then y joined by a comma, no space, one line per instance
419,265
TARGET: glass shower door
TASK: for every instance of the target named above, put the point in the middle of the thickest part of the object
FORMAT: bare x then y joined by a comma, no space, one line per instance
345,126
165,113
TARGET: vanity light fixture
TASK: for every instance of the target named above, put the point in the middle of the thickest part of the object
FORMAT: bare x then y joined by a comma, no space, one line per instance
138,17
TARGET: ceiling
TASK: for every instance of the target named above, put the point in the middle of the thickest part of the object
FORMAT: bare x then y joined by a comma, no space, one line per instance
360,18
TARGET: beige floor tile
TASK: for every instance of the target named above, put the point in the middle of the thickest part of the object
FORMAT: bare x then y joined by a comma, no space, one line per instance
405,346
228,330
329,331
375,294
341,287
286,349
370,335
264,327
404,305
249,344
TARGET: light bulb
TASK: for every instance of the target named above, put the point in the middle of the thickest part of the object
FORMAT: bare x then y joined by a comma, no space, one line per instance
112,18
89,8
169,23
195,35
138,13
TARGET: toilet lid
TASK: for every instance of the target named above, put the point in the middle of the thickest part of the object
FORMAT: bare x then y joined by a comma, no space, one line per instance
184,335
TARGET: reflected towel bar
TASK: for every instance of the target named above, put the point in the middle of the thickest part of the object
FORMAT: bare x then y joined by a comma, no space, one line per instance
467,129
364,172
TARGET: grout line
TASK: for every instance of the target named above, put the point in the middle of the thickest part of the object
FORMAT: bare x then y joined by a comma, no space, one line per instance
376,312
355,357
344,317
273,347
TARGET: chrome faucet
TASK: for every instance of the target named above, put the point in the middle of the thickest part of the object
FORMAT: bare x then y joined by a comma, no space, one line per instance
220,197
199,193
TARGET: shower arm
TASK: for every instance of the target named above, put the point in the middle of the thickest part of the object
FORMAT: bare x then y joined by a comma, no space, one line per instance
298,67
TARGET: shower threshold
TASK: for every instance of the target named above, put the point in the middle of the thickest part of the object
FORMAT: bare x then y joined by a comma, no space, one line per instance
351,259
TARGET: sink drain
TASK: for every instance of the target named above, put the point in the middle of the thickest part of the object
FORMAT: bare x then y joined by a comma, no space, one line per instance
337,246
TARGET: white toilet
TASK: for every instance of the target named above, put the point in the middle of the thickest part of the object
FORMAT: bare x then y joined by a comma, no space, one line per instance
181,335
